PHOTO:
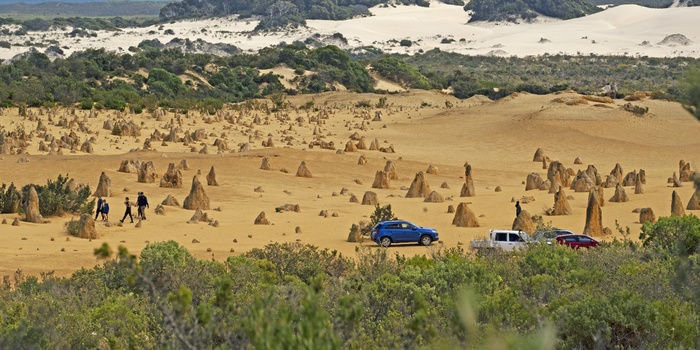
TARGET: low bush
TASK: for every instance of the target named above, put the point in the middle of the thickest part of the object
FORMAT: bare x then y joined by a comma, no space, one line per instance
56,197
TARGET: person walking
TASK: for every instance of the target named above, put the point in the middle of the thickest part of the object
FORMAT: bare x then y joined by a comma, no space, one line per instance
517,209
142,203
105,210
614,90
98,211
128,211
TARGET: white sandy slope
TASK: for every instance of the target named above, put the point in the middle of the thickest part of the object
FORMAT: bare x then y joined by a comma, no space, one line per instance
616,31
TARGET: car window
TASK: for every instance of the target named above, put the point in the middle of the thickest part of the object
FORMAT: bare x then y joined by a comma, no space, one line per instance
584,239
392,226
501,237
571,239
514,237
406,226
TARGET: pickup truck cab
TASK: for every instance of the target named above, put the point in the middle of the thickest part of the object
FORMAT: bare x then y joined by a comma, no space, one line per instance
504,239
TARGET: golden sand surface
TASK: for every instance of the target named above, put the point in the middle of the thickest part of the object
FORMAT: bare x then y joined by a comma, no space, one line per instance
498,139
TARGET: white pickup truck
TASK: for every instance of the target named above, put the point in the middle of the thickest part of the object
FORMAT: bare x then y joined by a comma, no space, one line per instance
504,239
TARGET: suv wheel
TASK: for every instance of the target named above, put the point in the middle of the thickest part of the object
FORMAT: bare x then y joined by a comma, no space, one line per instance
385,242
425,240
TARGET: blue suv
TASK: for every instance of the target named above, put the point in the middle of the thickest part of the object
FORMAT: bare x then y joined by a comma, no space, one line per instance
398,231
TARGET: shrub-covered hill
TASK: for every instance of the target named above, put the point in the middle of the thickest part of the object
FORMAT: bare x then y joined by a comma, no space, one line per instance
524,10
276,13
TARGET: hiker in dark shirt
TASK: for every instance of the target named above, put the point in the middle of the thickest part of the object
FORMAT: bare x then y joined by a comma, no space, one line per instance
142,203
128,211
517,209
99,207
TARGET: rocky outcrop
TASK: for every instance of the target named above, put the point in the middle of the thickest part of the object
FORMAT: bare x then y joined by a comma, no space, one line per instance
390,169
582,182
261,219
468,186
432,170
355,234
684,172
646,215
694,202
86,227
557,175
303,171
211,177
561,204
539,155
434,197
362,160
594,216
265,165
350,147
534,182
620,195
147,172
104,186
184,165
129,166
638,184
676,205
381,180
197,199
464,217
31,207
524,222
370,198
172,178
419,187
615,177
170,201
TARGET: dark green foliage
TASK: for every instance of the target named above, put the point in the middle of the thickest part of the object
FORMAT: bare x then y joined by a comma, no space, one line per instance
74,14
585,74
56,198
646,3
239,82
381,213
10,199
691,98
516,10
673,235
163,83
278,13
399,71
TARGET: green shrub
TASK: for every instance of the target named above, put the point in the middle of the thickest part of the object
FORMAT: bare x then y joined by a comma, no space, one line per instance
405,42
363,104
86,104
673,235
56,198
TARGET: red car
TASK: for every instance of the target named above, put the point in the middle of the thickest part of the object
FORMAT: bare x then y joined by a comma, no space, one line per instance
578,241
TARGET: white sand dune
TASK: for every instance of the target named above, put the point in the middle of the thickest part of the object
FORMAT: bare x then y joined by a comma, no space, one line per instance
616,31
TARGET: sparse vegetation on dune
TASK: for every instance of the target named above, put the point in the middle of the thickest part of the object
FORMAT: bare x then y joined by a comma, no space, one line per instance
113,81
